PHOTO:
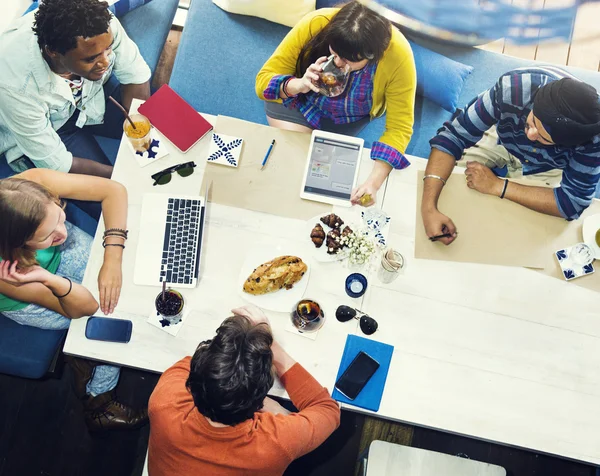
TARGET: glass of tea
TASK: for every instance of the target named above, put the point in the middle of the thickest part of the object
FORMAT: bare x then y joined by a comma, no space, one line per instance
171,307
140,137
307,316
333,80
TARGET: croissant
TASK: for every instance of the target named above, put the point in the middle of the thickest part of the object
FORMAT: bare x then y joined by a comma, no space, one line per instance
317,235
333,241
332,220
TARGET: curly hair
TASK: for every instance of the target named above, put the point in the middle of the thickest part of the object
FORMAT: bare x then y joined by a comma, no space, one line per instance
231,374
58,23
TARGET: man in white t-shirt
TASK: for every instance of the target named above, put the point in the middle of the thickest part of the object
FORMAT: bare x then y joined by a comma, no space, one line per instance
56,63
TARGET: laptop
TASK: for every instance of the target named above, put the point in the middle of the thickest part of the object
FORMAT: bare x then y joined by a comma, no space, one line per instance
170,244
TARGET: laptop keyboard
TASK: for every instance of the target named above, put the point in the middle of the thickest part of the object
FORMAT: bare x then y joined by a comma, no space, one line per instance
181,241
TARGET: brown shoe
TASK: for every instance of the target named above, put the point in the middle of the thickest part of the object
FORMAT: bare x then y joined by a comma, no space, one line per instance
105,412
82,373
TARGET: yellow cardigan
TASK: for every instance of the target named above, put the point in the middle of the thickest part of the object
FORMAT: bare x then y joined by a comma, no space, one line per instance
394,83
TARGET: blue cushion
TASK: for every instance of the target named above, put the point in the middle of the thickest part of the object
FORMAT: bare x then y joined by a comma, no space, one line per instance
218,57
26,351
121,7
439,78
327,3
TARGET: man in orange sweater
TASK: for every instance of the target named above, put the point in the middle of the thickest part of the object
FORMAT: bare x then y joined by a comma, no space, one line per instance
210,414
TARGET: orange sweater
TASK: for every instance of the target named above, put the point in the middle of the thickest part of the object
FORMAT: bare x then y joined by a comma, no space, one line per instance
183,443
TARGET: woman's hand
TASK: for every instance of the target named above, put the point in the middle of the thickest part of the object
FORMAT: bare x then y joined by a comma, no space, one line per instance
307,82
255,314
110,280
365,194
18,277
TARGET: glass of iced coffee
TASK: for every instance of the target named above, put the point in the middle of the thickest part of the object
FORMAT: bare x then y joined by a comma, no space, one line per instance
140,137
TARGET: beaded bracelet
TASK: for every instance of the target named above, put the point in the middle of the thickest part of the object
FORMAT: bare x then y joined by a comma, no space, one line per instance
117,235
104,245
68,292
117,230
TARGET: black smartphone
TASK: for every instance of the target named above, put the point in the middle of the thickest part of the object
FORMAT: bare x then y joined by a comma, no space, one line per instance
108,329
357,375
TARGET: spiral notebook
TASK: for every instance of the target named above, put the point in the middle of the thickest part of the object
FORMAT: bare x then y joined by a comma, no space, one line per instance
175,118
370,396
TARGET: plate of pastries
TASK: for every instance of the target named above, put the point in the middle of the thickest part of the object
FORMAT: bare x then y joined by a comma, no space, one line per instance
274,277
325,232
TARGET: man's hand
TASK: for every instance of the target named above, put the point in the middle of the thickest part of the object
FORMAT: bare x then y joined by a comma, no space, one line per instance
271,406
437,223
90,167
255,314
481,178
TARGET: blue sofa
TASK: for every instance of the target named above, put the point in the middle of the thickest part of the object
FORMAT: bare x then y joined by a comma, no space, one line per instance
26,351
220,53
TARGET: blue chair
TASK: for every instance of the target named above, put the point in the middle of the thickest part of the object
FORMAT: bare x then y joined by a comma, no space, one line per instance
27,351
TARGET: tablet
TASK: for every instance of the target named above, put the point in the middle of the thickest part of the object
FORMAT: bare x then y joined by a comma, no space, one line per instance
331,168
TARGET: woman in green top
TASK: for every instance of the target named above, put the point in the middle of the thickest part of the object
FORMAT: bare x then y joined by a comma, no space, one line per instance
43,259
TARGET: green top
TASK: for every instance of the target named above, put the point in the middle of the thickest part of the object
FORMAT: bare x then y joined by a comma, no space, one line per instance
49,259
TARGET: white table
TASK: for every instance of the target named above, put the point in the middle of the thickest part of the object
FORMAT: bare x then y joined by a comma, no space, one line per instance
389,459
497,353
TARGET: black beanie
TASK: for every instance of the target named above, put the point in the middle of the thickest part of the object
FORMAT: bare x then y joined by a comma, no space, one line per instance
569,110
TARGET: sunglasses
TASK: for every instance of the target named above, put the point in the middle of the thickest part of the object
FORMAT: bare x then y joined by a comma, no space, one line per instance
164,176
367,324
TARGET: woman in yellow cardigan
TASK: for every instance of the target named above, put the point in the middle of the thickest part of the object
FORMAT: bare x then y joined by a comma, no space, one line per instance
383,79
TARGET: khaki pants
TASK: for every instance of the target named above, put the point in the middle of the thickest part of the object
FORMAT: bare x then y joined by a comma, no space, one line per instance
491,154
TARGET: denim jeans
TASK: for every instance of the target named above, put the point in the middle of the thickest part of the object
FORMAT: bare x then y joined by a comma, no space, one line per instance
74,255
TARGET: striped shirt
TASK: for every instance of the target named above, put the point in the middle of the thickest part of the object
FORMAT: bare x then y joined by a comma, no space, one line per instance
507,105
352,105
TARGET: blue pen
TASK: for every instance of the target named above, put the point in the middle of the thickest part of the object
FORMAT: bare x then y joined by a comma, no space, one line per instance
264,162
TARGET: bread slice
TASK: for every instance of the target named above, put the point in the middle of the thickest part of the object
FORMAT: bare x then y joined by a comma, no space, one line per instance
279,273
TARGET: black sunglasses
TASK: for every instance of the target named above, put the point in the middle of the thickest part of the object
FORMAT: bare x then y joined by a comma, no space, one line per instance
164,176
367,324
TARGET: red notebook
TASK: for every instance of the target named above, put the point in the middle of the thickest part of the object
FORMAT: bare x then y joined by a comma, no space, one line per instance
175,118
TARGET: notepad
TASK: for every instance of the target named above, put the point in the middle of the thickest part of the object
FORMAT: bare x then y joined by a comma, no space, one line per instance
370,396
175,118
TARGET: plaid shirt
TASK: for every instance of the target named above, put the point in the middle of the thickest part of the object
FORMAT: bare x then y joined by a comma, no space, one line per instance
507,105
352,105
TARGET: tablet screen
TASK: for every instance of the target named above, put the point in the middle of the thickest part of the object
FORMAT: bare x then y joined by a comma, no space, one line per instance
332,166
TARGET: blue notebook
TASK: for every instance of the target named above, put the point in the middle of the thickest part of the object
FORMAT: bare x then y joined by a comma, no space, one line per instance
370,396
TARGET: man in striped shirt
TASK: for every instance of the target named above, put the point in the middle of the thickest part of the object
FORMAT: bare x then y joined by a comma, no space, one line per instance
547,124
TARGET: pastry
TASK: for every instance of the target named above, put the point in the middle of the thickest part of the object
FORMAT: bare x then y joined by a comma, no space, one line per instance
317,235
347,231
333,241
332,220
281,272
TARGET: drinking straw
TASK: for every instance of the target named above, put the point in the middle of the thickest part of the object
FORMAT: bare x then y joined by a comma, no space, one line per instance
164,289
116,103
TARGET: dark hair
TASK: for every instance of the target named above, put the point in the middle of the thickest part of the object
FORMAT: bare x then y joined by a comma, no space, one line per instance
23,207
58,23
355,33
231,374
